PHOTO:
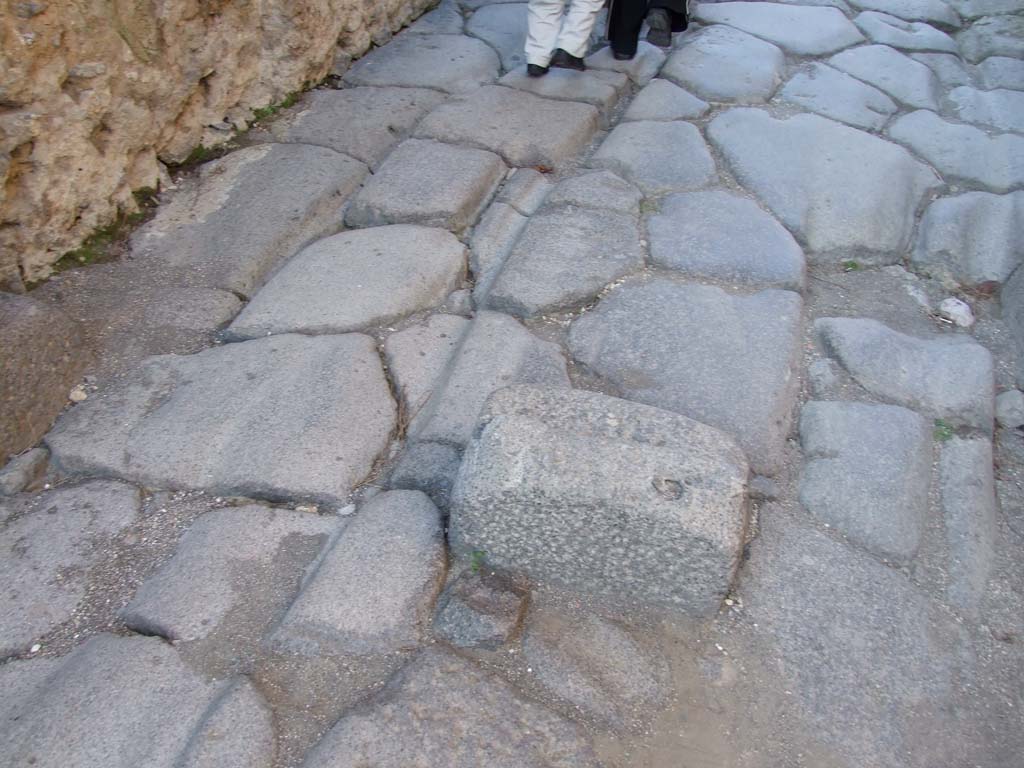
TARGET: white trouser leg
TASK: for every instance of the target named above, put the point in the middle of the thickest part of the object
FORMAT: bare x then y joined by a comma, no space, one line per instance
579,22
544,19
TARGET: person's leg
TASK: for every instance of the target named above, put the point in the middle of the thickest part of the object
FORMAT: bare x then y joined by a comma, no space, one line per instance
624,22
579,23
666,17
544,19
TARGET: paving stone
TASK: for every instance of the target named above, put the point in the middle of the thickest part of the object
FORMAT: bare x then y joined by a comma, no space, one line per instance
503,27
657,156
603,496
832,93
48,545
1010,409
427,467
908,35
479,610
664,100
490,245
524,129
733,369
640,69
723,64
223,566
364,123
497,352
439,695
566,256
906,80
822,378
805,31
1002,72
246,212
239,733
418,356
972,238
445,19
721,236
972,9
1012,300
597,667
934,12
260,419
993,36
962,151
449,63
838,189
524,189
949,68
1001,109
354,280
866,473
601,190
375,588
472,5
947,376
840,4
599,88
430,183
23,471
969,509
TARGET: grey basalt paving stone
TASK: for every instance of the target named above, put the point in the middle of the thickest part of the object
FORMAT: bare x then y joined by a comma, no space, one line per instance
949,68
449,63
427,467
357,279
417,357
866,473
802,30
479,610
838,189
440,694
22,471
247,211
1002,72
48,544
490,245
972,9
906,80
238,733
1000,108
601,190
524,189
598,88
1012,300
657,156
472,5
718,235
734,368
283,417
429,183
664,100
962,151
723,64
934,12
604,497
829,92
503,27
445,19
993,36
640,69
949,376
972,238
526,130
908,35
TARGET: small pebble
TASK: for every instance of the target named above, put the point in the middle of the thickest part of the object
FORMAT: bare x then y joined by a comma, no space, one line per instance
957,311
35,648
78,394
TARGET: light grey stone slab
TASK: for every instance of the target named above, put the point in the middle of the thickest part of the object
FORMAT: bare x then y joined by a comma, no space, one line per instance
721,236
449,63
949,68
479,610
1012,300
972,9
283,417
723,64
503,27
838,189
603,496
47,550
1000,108
598,88
354,280
430,183
1002,72
237,733
934,12
906,80
565,256
445,19
948,376
663,100
418,356
1010,409
490,245
842,5
23,470
829,92
993,36
972,238
524,129
657,156
640,69
866,473
524,189
427,467
472,5
802,30
962,151
909,35
601,190
375,588
734,368
438,695
497,352
247,211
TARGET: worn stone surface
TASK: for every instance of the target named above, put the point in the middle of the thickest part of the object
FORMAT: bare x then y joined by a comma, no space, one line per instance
906,80
829,92
563,257
603,496
948,67
23,471
1002,72
866,473
427,467
640,69
962,151
1010,409
354,280
445,19
723,64
449,63
1000,108
479,610
993,36
503,27
805,31
972,238
440,694
48,544
524,190
259,419
524,129
1012,300
601,190
949,376
664,100
239,733
907,35
972,9
492,240
600,88
418,356
935,12
430,183
657,156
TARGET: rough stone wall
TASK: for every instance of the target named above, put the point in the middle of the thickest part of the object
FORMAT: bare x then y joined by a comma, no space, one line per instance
97,95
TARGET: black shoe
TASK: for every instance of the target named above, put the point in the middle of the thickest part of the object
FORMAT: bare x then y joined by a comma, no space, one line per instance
565,60
622,56
536,70
660,32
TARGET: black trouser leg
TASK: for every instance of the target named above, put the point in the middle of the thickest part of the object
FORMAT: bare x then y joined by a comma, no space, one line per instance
627,16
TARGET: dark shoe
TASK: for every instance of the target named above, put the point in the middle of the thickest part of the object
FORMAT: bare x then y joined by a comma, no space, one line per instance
536,70
660,32
565,60
622,56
